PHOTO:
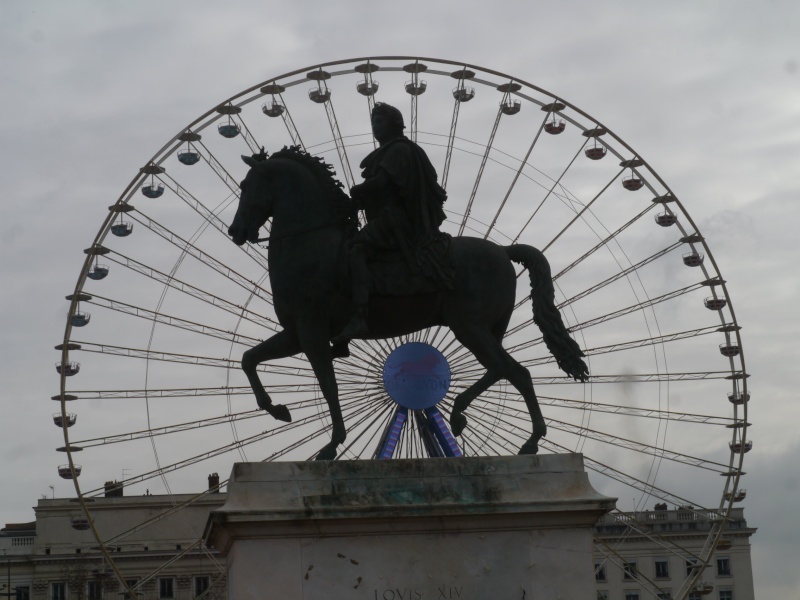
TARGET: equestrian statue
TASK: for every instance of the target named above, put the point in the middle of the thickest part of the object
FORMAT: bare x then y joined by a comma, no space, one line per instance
333,282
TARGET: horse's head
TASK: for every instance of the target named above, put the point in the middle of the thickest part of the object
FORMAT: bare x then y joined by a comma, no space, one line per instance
255,203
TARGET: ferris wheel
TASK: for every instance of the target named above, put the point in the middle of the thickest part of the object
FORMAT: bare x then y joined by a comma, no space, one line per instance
165,304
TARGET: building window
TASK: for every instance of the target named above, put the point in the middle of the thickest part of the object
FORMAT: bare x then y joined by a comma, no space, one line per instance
629,570
23,592
723,566
94,590
691,565
166,587
58,591
131,583
664,595
662,569
726,595
631,595
599,571
201,584
602,595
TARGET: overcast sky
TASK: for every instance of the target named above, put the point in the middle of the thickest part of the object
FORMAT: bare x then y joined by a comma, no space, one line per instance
708,92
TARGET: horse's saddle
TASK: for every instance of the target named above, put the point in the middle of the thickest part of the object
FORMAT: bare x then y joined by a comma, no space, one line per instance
429,270
391,275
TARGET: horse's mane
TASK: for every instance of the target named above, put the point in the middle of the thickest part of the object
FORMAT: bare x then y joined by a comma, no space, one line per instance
331,186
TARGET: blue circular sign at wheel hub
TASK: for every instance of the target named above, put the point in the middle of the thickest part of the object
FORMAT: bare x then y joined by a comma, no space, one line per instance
416,375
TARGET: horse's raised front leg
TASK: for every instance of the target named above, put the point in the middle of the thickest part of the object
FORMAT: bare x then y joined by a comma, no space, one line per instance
280,345
315,345
457,419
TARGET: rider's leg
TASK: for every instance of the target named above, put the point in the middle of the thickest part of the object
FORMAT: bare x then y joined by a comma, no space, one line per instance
357,327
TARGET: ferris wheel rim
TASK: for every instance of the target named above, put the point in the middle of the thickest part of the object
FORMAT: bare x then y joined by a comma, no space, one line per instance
172,145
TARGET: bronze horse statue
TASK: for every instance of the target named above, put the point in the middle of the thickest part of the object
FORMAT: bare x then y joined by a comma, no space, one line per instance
311,221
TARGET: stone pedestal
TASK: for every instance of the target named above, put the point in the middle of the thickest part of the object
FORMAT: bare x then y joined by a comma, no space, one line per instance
424,529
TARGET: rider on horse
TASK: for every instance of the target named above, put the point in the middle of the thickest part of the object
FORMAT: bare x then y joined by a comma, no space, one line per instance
402,201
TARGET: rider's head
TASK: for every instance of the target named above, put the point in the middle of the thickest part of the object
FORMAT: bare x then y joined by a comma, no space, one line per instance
391,116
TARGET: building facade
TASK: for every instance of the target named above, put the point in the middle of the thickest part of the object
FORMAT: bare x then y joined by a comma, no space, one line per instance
630,565
153,541
155,547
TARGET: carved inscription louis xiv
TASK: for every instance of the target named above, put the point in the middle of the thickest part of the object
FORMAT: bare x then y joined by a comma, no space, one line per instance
443,592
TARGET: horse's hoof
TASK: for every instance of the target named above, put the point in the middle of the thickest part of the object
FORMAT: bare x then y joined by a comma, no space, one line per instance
280,412
529,447
327,453
458,422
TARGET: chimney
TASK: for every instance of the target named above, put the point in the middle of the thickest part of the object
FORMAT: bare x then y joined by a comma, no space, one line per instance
213,483
113,489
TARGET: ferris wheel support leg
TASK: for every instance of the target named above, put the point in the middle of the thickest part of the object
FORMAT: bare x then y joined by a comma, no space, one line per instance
457,419
278,346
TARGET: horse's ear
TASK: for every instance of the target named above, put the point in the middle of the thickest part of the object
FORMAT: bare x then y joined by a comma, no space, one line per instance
250,161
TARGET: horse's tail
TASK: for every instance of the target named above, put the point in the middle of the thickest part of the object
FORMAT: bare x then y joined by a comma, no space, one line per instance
564,349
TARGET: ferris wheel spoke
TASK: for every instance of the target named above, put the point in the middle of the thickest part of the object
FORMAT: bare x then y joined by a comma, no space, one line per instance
645,377
623,273
189,425
166,430
621,442
138,586
172,321
652,341
456,354
633,411
627,479
633,525
247,135
184,463
282,108
633,520
210,216
186,392
189,359
500,399
513,184
158,517
193,291
238,444
217,167
603,318
461,93
652,588
510,436
581,212
333,123
314,435
481,168
483,442
604,242
634,307
366,426
369,88
191,250
551,191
